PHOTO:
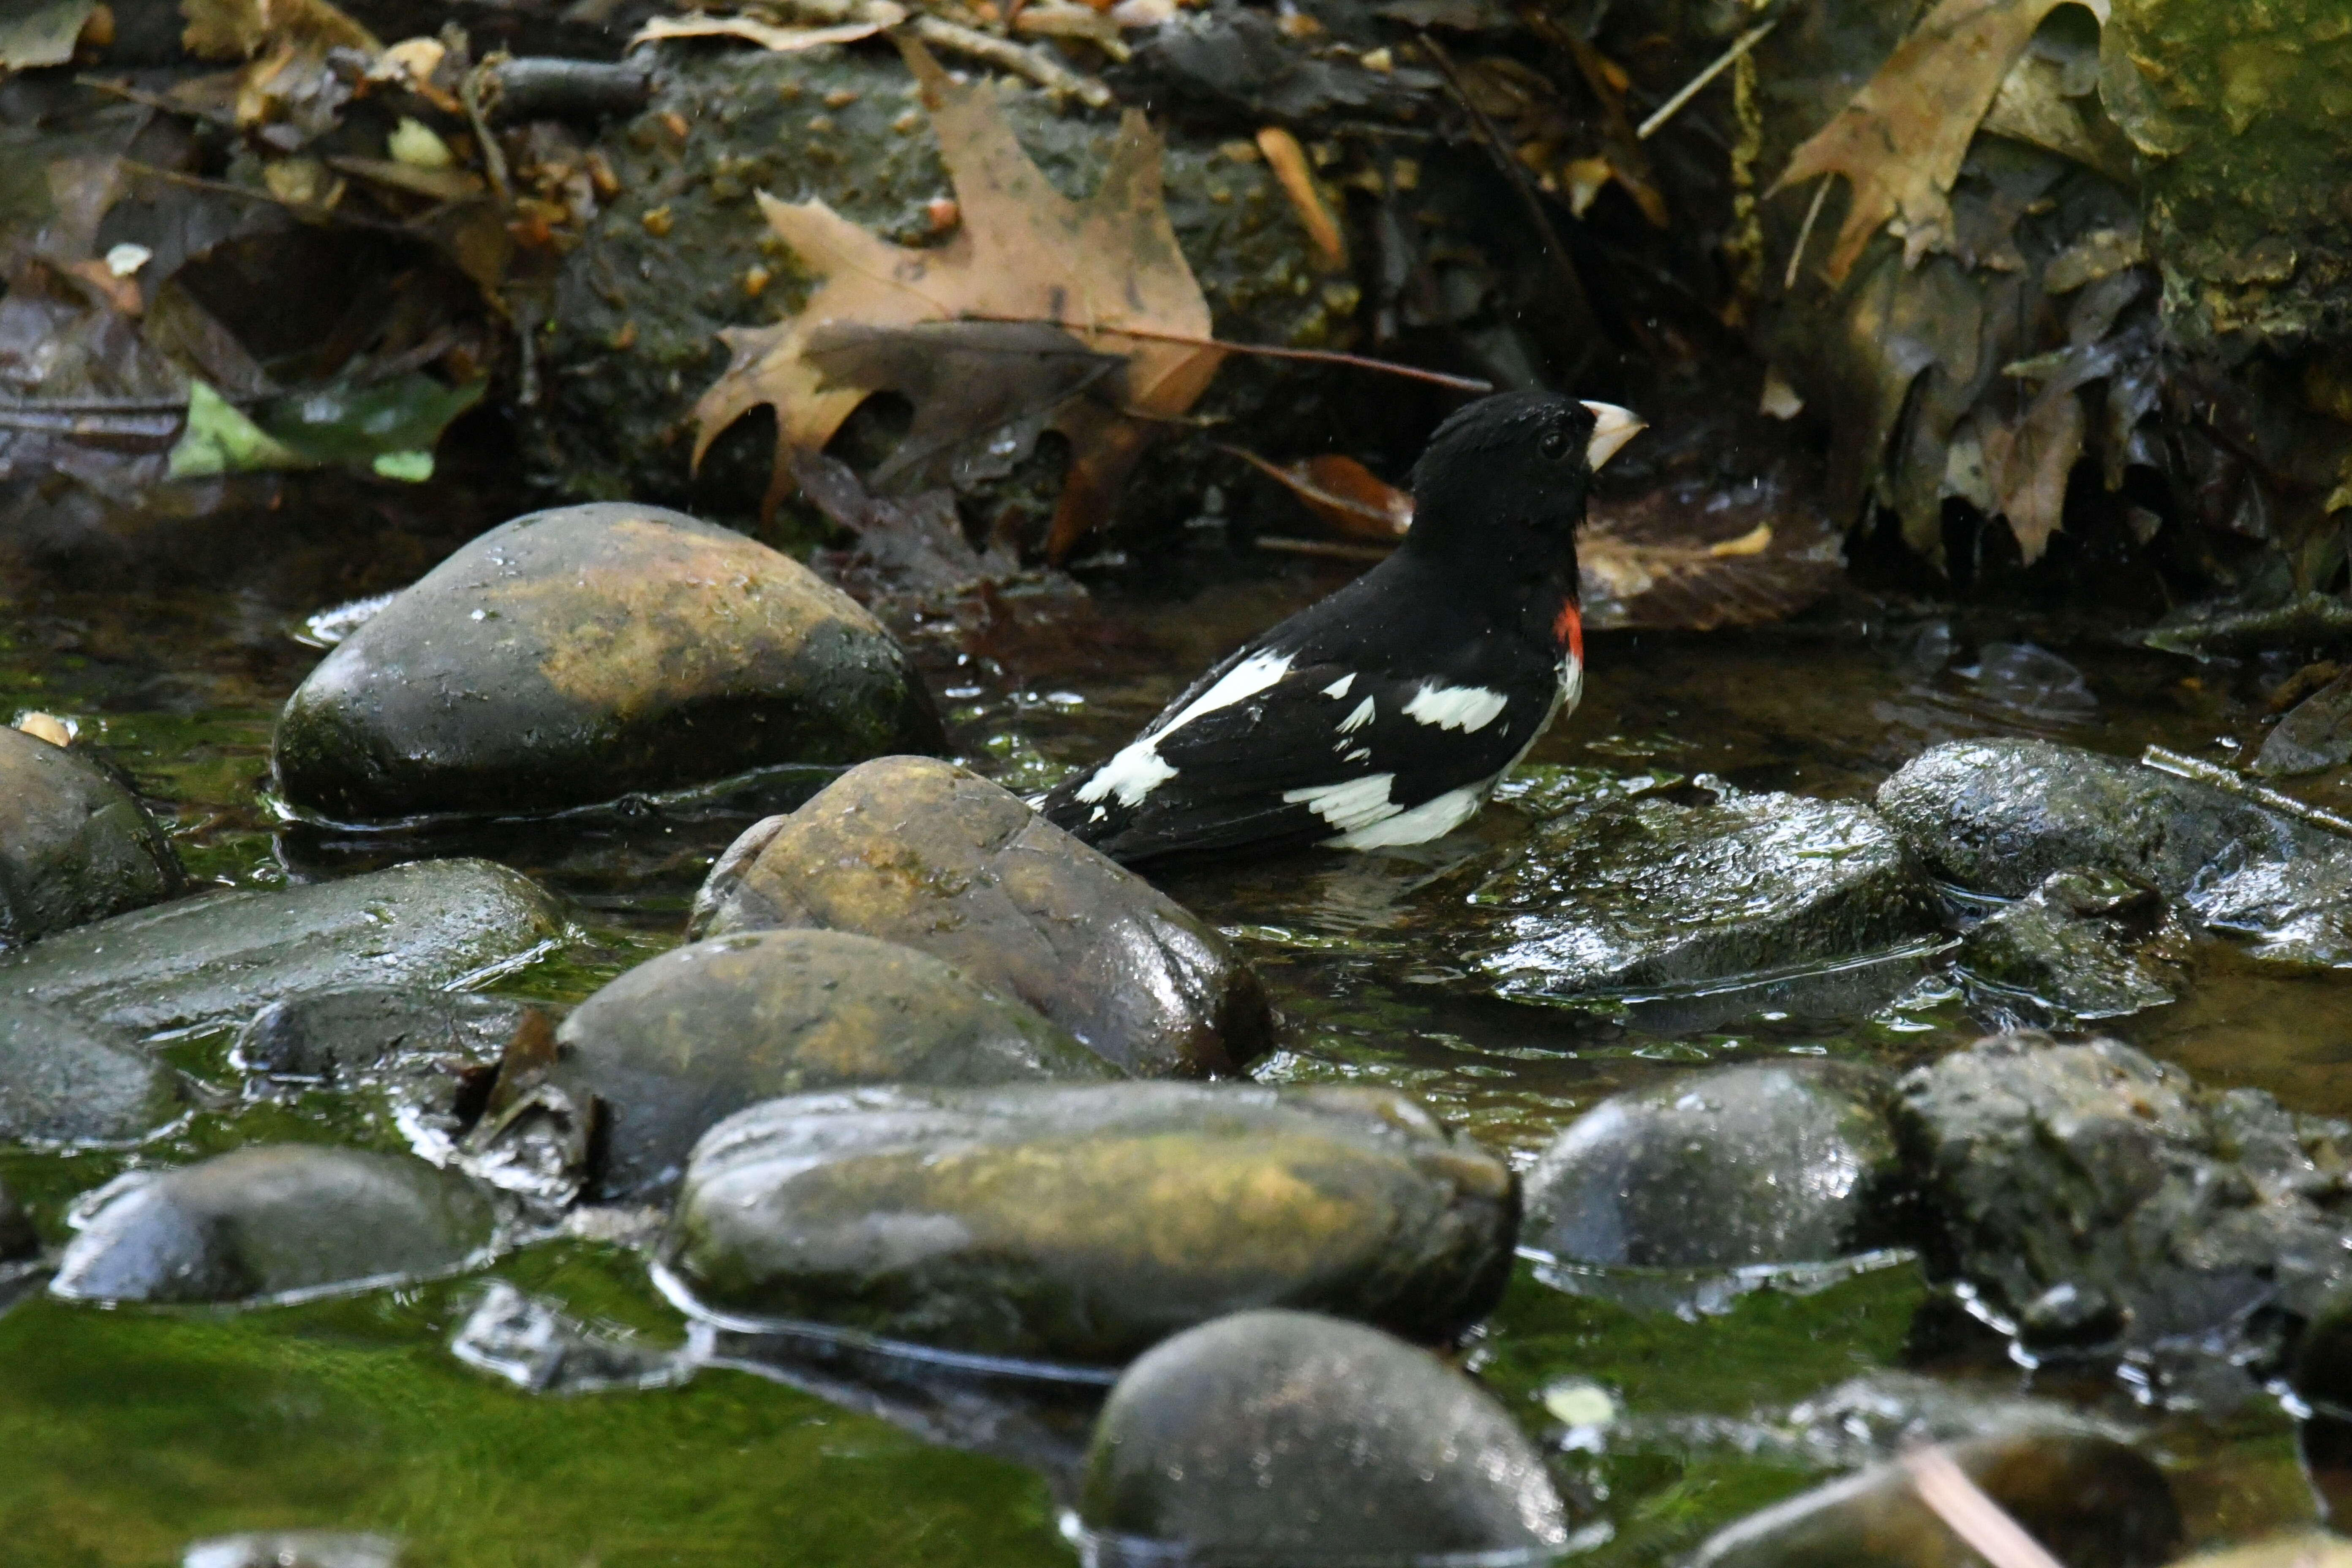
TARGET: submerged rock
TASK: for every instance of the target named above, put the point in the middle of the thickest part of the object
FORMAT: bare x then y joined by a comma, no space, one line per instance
2083,946
74,845
2097,1196
2000,816
1086,1223
1766,1163
360,1028
65,1081
276,1221
228,955
924,853
2315,734
1649,893
578,655
2091,1501
1274,1431
680,1043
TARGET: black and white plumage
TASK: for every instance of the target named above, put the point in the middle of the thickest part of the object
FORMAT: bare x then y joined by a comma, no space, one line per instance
1386,714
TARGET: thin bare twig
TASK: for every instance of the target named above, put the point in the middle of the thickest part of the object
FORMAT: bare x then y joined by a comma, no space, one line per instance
1960,1503
1691,88
2165,761
1332,548
1821,194
1007,55
494,158
1261,351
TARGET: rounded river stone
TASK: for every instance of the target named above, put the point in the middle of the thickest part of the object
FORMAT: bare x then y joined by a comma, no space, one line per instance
924,853
2091,1501
230,954
678,1044
276,1221
74,845
355,1028
578,655
1275,1431
63,1080
1766,1163
1085,1224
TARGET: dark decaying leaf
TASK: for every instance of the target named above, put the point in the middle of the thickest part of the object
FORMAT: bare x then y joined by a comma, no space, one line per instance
1693,556
911,545
1342,492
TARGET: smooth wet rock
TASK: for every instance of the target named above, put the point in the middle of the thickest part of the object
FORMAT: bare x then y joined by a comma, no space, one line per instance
2314,734
678,1044
2091,1501
2084,945
924,853
1649,893
64,1081
575,655
1764,1163
74,844
1085,1224
17,1237
273,1220
2097,1196
360,1028
228,955
1275,1431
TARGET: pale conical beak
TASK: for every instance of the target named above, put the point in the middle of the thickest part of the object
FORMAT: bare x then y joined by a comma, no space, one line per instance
1611,428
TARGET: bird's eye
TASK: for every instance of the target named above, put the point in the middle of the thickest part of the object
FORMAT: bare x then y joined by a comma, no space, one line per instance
1555,443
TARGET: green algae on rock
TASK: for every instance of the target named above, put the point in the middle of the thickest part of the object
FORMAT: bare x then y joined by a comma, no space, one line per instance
274,1222
2080,948
924,853
1650,894
575,655
1758,1164
74,846
228,955
1274,1431
682,1042
1084,1224
63,1080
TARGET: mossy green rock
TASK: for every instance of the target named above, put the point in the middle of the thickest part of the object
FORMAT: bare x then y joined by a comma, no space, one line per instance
1276,1432
2073,948
228,955
2091,1502
63,1080
1084,1224
1651,894
925,853
74,845
274,1221
1763,1162
678,1044
575,655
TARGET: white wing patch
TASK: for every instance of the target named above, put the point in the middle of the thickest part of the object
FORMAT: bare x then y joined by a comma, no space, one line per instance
1339,686
1463,708
1135,772
1432,818
1357,804
1244,682
1359,719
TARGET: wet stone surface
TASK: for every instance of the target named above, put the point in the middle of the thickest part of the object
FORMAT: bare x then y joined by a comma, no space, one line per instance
228,955
357,1028
2100,1198
2091,1502
63,1080
924,853
575,655
270,1221
74,845
2084,945
1652,893
1270,1431
1770,1162
976,1219
677,1045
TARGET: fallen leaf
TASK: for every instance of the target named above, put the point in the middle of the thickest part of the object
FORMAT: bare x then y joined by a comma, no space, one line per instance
1678,558
2027,465
1900,141
41,33
1024,253
913,545
220,439
240,29
1342,492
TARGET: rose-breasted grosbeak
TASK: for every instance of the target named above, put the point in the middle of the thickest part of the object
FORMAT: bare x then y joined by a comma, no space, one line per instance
1386,714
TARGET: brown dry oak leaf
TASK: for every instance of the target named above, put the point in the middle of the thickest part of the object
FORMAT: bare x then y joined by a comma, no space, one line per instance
1102,271
1901,141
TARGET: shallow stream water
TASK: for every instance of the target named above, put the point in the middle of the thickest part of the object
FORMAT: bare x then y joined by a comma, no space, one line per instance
126,1435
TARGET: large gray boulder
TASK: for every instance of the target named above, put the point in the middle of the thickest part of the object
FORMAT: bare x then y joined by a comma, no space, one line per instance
74,845
1271,1433
1651,894
274,1222
1085,1224
924,853
578,655
228,955
678,1044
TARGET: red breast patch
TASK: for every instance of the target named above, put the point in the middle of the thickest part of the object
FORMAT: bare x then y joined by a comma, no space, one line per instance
1568,630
